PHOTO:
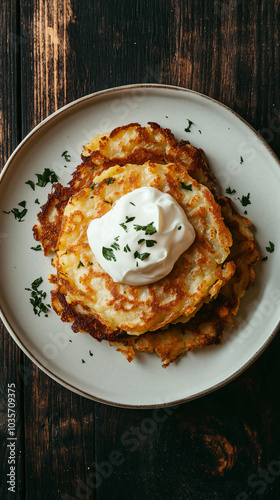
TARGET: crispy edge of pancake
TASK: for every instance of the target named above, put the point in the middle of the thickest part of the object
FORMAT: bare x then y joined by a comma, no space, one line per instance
50,216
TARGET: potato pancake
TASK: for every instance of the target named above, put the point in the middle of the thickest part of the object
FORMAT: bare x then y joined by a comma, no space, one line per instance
203,290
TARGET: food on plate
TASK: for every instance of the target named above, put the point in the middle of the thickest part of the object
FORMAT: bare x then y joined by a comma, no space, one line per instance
126,270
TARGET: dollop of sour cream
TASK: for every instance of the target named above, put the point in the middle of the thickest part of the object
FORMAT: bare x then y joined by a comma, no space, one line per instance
139,240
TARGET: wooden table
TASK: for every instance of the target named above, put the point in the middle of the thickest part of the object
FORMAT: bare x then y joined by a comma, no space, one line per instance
222,446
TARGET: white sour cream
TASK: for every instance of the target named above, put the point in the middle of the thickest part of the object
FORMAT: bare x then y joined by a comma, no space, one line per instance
139,240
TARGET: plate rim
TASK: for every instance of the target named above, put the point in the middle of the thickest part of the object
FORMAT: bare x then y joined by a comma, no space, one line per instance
13,333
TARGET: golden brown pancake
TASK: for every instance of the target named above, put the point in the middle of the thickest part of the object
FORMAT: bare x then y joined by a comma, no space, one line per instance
139,156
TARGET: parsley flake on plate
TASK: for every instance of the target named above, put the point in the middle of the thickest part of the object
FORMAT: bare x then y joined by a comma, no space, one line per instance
271,247
190,123
46,177
37,297
245,200
66,156
230,191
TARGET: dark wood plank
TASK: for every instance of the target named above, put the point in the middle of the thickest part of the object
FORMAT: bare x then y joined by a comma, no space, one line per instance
59,425
11,358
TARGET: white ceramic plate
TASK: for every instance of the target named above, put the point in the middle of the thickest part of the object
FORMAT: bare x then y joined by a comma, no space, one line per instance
106,376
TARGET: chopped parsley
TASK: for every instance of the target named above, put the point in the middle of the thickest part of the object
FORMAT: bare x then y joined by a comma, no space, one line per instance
37,201
66,156
180,227
91,169
108,254
18,214
80,265
90,353
271,247
83,361
126,249
110,180
149,229
132,203
92,186
90,263
106,201
115,245
230,191
200,131
37,297
141,241
117,238
190,123
241,160
141,256
245,200
263,259
37,248
46,177
151,243
124,226
188,187
31,184
129,219
70,340
183,143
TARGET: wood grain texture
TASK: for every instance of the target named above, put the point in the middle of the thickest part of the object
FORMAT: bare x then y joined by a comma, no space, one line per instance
225,445
11,358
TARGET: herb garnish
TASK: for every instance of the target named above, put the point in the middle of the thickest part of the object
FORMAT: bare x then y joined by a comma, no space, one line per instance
188,129
183,143
263,259
241,160
271,247
66,156
46,177
37,297
141,241
80,265
141,256
37,201
129,219
230,191
132,203
117,238
37,248
180,227
184,186
110,180
108,254
18,215
126,249
115,245
245,200
92,186
149,229
90,353
31,184
124,226
90,263
151,243
200,131
106,201
83,361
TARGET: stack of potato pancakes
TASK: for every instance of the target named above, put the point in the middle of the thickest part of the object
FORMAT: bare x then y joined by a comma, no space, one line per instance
194,303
